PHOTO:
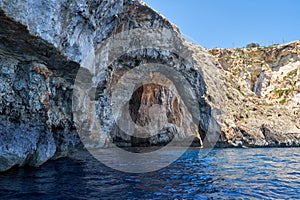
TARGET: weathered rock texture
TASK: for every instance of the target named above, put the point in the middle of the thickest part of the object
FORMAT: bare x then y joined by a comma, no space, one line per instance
43,44
248,96
35,114
263,95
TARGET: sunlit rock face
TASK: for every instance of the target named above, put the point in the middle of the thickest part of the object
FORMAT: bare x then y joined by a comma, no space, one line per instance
263,105
116,73
46,44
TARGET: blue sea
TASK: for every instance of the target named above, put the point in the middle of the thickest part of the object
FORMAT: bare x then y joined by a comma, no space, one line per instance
269,173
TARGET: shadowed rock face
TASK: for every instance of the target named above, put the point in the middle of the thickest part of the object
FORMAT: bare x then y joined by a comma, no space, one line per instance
66,66
155,106
35,117
154,94
161,115
43,44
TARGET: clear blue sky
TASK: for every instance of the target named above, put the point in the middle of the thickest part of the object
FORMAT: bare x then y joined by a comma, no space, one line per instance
233,23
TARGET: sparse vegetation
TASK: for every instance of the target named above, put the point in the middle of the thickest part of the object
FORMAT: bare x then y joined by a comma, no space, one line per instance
227,57
238,88
282,92
283,101
252,45
291,74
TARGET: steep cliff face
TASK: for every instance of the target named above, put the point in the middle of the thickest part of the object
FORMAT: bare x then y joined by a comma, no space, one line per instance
67,65
116,73
263,90
35,117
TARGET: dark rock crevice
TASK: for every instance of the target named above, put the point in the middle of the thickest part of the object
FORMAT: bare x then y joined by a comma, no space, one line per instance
147,95
41,54
35,112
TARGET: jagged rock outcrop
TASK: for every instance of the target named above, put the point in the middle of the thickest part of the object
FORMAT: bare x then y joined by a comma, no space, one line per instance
35,117
108,72
60,65
263,104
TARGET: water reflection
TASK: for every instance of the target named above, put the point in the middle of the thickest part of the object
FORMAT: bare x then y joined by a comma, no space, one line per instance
224,173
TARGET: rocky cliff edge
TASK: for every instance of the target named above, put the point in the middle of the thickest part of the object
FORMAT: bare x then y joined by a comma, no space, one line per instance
66,66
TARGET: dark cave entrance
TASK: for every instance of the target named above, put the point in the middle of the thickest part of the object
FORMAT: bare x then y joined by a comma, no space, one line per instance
143,100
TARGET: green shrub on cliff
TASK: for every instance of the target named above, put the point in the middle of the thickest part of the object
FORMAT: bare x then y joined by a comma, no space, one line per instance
252,45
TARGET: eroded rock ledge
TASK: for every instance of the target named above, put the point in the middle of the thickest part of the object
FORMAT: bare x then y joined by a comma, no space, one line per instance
263,95
245,97
45,44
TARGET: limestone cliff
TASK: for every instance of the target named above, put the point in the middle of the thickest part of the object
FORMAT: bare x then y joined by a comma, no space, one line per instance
107,72
263,95
62,63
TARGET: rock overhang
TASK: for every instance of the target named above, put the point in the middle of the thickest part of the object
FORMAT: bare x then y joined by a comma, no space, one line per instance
70,37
